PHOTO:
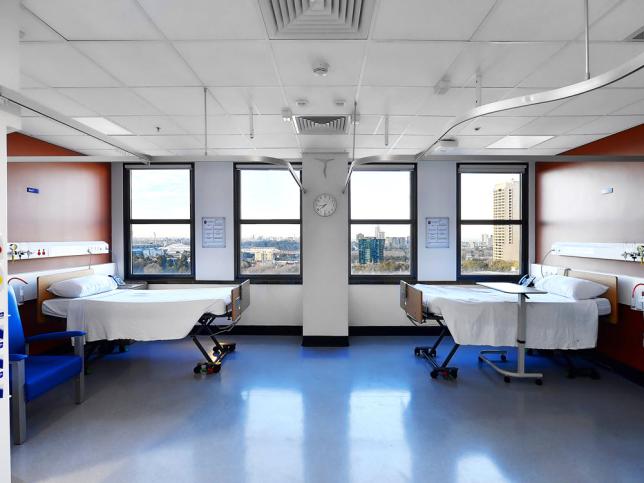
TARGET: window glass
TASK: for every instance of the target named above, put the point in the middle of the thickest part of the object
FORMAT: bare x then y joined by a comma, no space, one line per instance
380,195
160,194
269,194
490,196
269,249
160,249
491,249
380,249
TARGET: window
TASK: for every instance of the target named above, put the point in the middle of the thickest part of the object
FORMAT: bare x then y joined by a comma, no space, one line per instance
159,222
382,221
492,221
268,224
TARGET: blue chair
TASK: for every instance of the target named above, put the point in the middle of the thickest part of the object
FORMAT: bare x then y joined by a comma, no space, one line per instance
32,376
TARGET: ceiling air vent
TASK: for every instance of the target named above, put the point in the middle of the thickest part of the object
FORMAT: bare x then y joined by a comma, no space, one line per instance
322,124
638,36
317,19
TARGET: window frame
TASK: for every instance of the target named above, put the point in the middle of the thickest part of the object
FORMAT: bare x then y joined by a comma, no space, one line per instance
523,223
413,228
293,279
128,221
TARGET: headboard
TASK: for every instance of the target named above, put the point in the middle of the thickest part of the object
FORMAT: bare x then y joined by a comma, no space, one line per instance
44,281
611,294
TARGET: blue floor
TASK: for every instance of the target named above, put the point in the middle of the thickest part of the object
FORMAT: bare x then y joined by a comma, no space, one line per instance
282,413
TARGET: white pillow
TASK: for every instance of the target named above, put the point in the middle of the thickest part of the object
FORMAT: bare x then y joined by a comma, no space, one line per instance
570,287
83,286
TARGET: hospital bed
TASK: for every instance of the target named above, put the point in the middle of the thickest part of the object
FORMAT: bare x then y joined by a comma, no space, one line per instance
146,315
476,315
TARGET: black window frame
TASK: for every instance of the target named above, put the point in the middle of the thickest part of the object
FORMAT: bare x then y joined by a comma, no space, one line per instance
413,235
287,279
523,222
128,221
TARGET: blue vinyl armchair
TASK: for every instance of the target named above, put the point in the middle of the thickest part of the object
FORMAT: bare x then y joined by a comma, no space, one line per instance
32,376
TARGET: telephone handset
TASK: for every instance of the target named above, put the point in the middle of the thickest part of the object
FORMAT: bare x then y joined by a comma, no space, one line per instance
527,281
119,281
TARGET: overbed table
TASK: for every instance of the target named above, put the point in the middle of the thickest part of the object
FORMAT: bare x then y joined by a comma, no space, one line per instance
522,293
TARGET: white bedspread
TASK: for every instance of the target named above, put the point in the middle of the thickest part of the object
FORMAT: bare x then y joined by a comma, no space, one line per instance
482,316
144,314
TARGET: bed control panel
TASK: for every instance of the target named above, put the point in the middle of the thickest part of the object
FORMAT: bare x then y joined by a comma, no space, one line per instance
30,250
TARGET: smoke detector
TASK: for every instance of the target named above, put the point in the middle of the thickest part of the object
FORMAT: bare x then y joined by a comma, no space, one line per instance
301,102
321,69
444,145
287,115
340,102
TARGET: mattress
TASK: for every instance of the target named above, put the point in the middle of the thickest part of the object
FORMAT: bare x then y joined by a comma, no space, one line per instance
482,316
140,314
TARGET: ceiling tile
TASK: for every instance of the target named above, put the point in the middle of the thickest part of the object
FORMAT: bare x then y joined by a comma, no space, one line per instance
154,125
429,19
94,19
193,152
216,124
609,125
42,126
179,101
229,142
275,141
635,108
476,142
296,58
391,100
32,28
60,65
206,19
373,141
321,99
599,102
328,143
491,125
106,152
415,142
409,63
27,82
568,65
141,63
285,153
538,20
569,142
174,142
397,125
622,21
230,63
76,143
139,143
453,103
110,101
500,64
428,125
58,102
552,125
237,100
262,124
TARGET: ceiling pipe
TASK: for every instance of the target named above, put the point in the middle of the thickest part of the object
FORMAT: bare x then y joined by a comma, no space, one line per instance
205,121
587,38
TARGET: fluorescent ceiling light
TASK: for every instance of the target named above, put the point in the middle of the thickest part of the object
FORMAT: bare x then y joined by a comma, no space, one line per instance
518,142
102,125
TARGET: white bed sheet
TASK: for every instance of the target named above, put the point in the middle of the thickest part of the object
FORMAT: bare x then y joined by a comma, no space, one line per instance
482,316
57,307
144,314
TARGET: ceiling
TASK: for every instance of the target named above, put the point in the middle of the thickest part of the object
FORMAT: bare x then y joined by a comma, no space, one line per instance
143,65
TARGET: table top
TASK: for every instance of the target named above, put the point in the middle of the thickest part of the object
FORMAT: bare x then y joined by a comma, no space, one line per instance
512,288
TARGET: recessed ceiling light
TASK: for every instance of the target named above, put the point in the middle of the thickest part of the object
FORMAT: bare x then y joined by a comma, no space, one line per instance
518,142
321,69
103,125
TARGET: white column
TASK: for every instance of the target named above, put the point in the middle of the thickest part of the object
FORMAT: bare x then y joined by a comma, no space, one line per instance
9,77
325,245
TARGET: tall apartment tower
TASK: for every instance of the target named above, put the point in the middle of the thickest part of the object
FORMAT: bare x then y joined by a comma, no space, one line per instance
507,206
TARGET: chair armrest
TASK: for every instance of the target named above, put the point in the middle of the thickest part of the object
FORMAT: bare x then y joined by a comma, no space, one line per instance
17,357
55,336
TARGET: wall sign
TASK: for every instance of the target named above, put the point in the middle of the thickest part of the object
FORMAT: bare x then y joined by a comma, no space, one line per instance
213,232
32,190
437,232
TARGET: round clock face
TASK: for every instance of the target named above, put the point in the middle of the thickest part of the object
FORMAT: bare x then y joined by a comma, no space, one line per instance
325,205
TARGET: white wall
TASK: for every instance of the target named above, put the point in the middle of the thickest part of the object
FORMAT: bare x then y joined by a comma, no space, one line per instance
117,246
214,197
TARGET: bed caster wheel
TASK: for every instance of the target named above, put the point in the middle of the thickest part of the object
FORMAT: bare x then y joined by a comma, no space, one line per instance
417,351
231,347
214,369
539,382
197,369
504,358
506,379
453,373
434,374
432,353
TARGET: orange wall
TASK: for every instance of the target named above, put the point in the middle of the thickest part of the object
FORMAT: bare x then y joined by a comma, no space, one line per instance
570,207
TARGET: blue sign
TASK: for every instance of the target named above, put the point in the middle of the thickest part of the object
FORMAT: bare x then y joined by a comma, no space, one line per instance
32,190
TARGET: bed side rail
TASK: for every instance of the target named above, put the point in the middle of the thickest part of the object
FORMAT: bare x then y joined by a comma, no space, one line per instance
411,301
240,298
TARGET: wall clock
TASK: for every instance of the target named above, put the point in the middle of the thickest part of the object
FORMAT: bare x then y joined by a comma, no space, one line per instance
325,204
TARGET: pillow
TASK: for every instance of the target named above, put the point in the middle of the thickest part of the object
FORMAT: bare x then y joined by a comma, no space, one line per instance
570,287
83,286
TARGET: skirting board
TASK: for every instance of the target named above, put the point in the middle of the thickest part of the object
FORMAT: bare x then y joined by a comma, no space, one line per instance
430,330
325,341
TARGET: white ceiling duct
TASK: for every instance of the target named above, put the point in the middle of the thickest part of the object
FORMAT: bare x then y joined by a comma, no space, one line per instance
321,124
317,19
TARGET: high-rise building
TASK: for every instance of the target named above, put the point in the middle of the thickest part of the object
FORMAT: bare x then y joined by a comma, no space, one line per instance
507,206
371,250
378,233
